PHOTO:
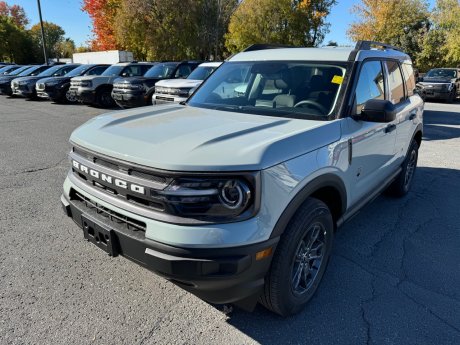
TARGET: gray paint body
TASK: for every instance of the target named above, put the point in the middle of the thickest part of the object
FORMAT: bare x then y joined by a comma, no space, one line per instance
290,154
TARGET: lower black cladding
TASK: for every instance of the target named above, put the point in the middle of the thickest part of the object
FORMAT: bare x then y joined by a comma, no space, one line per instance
222,275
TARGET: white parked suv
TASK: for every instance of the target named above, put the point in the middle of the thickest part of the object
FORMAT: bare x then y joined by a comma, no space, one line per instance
236,195
178,90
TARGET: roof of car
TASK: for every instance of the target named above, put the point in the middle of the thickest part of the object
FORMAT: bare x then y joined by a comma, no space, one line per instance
316,54
211,64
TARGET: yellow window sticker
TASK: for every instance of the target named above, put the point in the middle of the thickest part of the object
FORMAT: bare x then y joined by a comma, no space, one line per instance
337,79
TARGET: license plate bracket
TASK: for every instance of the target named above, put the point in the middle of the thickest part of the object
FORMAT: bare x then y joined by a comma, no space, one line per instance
100,235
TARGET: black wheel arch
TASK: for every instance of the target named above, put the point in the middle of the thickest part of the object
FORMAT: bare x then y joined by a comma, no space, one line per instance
329,188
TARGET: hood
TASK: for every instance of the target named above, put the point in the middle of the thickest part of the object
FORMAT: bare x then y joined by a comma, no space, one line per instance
28,79
92,77
53,79
7,78
132,80
179,83
428,80
185,138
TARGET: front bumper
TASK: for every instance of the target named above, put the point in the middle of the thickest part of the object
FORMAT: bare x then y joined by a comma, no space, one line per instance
85,96
216,275
165,99
129,99
24,91
51,93
5,89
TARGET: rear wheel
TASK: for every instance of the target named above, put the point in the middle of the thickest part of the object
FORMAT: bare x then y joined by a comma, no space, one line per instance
403,182
300,259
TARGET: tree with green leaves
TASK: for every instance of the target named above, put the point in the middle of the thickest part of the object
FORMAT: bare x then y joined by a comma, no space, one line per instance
54,34
397,22
15,43
291,22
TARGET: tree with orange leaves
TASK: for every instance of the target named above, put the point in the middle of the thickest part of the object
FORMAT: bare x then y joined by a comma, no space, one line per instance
102,13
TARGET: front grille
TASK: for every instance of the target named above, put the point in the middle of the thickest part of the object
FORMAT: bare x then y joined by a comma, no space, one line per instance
152,181
166,99
136,172
75,83
113,217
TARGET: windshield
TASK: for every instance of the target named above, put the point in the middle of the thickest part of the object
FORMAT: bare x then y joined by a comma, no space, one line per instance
442,73
201,73
274,88
33,71
163,70
19,70
8,69
77,71
113,71
50,71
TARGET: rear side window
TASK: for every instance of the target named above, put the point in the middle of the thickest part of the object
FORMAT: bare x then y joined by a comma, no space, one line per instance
409,78
395,82
370,84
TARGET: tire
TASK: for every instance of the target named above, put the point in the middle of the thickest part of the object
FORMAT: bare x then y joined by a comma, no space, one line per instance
403,182
286,289
104,98
68,98
452,96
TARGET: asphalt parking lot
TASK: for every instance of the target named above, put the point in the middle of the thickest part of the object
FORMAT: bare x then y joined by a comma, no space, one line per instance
394,277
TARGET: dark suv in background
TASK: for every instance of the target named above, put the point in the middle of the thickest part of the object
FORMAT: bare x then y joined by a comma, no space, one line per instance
440,83
95,90
56,88
138,91
25,86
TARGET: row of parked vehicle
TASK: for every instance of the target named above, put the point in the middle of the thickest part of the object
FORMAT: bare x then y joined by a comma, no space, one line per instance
130,84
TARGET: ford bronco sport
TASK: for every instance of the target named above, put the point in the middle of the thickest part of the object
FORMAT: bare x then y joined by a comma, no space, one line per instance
235,196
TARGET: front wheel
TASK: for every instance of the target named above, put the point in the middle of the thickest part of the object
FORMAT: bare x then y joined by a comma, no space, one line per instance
104,98
300,259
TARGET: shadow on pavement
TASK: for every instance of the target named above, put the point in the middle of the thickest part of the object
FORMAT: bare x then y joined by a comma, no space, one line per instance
393,276
438,125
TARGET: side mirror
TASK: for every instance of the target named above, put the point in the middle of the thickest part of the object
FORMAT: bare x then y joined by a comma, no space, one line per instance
378,110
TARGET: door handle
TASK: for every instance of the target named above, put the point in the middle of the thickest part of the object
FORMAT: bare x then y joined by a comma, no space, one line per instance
412,115
390,128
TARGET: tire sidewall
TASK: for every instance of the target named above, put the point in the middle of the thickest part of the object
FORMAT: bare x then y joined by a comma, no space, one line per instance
290,240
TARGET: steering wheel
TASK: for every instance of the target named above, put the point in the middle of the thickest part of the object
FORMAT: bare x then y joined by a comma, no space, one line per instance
315,104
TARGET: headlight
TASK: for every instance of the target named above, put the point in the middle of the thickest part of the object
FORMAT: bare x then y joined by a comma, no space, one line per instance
52,83
211,199
184,92
86,83
450,87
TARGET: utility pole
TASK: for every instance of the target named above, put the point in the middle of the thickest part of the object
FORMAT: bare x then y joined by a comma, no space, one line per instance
43,32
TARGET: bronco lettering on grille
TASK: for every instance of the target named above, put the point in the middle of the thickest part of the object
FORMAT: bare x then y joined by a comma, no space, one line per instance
108,179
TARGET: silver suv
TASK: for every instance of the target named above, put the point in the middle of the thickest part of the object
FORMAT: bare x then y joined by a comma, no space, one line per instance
236,195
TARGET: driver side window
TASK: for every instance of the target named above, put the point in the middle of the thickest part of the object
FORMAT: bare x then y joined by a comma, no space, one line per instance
370,84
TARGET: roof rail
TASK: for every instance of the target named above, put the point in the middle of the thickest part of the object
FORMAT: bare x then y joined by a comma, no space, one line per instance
266,46
367,45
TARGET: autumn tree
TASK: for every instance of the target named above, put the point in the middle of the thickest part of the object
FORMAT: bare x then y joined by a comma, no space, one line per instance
446,19
15,43
102,14
397,22
16,13
294,22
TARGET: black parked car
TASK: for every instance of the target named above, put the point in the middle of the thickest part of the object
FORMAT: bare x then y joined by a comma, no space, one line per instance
56,88
25,86
440,83
137,91
24,71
